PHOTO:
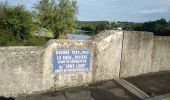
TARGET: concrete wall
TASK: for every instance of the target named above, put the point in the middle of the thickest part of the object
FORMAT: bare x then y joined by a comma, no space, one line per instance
144,53
109,47
69,79
136,53
101,47
21,70
26,70
161,54
114,54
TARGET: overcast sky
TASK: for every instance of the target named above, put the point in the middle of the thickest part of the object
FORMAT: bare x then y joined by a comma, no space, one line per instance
115,10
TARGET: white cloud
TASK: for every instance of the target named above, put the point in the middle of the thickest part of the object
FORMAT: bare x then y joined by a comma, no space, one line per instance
156,10
116,10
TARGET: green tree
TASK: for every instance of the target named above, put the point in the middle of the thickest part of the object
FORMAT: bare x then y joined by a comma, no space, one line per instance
59,17
16,26
45,12
16,20
6,38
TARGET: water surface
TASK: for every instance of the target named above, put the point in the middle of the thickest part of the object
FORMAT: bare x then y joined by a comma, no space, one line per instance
72,36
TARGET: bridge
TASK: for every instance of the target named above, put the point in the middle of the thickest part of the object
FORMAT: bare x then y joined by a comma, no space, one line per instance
115,64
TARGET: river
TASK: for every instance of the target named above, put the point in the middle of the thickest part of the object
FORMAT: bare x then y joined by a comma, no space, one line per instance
79,35
72,36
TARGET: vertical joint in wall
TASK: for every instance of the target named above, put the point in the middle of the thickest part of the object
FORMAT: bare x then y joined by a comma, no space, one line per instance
121,55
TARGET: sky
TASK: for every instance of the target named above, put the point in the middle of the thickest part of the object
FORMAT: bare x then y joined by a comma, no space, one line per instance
115,10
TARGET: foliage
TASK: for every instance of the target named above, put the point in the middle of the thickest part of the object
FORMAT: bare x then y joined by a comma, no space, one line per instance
93,25
54,88
36,41
159,27
16,27
60,18
16,20
6,38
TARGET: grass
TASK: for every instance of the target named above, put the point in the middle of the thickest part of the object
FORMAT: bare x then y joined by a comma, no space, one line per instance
54,88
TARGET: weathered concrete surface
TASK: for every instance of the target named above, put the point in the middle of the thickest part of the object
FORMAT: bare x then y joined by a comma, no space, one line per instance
109,47
144,53
153,84
108,90
102,46
25,70
161,54
160,97
136,54
21,70
29,69
69,79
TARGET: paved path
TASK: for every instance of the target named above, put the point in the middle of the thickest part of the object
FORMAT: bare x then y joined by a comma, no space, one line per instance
109,90
153,84
156,85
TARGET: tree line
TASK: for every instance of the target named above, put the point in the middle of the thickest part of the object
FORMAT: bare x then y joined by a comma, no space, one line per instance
160,27
18,25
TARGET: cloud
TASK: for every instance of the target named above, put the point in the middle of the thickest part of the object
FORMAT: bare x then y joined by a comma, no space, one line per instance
115,10
156,10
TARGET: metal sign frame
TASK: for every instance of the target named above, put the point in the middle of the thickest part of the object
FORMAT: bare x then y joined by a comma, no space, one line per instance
71,60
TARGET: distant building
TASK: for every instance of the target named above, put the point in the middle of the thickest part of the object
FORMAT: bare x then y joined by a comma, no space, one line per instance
119,28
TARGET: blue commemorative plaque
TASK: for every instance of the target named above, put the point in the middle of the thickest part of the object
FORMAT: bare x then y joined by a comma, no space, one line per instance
70,60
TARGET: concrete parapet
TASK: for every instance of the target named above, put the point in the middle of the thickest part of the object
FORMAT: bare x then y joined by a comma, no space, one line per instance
136,53
21,70
113,54
161,54
25,70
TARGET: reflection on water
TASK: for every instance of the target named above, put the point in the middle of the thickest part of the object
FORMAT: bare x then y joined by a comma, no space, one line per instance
72,36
